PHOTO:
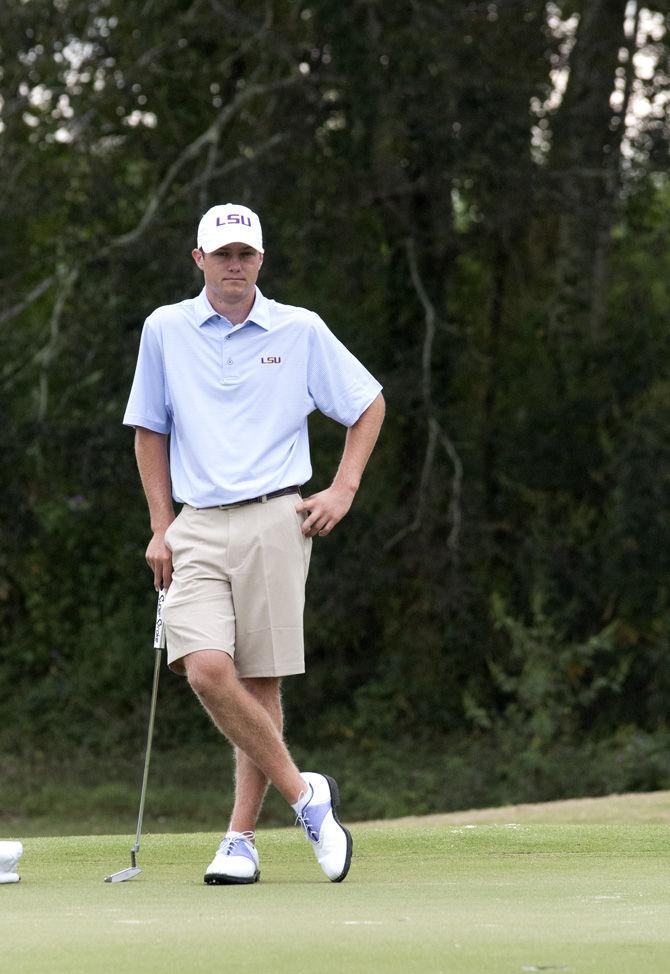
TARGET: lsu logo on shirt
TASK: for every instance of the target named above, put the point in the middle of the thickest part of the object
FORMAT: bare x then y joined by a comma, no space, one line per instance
271,360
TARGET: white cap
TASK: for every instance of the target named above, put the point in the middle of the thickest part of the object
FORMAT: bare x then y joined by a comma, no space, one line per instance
229,223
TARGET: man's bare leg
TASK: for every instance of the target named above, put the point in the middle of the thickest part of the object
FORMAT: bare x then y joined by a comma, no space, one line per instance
243,719
250,783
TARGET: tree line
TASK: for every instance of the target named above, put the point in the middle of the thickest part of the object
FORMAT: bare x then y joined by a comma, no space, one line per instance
474,196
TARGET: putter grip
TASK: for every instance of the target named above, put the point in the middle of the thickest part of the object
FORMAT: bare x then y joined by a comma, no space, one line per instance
159,632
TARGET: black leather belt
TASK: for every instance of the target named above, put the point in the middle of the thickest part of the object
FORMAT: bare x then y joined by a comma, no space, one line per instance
262,499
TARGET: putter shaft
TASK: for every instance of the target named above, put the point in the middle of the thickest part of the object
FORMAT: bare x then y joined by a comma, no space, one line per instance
147,755
159,644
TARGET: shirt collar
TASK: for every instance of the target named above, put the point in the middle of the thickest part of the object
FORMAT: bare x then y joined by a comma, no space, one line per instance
259,314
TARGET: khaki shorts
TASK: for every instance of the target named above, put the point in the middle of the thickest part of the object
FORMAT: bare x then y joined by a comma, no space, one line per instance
238,586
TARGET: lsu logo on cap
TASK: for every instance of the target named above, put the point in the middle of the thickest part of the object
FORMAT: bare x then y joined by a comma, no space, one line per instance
233,218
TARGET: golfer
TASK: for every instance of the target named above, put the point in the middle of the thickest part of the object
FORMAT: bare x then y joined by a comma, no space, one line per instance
227,380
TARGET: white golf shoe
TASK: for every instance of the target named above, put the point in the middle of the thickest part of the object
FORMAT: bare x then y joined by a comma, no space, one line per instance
10,853
236,861
317,814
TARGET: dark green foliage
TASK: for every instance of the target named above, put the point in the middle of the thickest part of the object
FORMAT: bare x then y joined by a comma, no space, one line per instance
499,593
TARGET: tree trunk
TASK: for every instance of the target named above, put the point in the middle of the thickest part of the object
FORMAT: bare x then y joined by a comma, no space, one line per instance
584,166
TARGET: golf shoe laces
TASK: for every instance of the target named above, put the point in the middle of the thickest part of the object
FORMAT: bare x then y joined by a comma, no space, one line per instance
228,843
312,830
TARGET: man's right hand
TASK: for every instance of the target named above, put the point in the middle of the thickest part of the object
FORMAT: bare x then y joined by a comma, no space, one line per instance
159,560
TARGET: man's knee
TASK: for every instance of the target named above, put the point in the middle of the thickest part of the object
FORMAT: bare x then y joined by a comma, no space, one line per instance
263,687
266,690
209,672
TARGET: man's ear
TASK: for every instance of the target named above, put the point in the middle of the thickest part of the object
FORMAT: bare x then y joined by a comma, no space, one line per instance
197,256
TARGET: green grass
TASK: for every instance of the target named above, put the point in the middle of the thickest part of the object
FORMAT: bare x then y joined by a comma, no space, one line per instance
584,889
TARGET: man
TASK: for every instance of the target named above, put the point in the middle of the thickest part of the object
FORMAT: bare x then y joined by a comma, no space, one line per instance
229,378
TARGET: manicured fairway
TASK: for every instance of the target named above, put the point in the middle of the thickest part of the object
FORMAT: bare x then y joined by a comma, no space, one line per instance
452,896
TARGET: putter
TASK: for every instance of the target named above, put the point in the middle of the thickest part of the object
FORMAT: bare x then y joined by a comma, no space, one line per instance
159,643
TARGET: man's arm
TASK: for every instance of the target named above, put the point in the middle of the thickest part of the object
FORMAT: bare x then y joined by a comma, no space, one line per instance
329,506
152,462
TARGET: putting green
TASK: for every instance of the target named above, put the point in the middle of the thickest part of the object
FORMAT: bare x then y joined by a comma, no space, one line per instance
456,897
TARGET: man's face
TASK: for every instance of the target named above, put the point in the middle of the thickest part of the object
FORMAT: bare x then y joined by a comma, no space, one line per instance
230,272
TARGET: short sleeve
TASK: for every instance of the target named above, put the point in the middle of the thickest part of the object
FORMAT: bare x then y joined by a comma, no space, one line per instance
340,386
146,405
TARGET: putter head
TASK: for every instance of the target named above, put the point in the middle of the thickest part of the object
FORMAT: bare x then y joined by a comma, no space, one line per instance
123,875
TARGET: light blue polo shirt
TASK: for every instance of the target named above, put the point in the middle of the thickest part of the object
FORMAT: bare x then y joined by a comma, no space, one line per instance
235,398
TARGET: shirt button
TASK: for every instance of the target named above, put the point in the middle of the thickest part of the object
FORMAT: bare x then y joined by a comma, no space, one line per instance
227,338
230,361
